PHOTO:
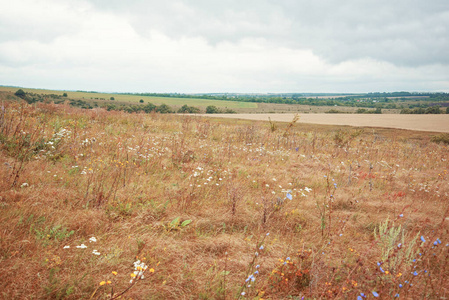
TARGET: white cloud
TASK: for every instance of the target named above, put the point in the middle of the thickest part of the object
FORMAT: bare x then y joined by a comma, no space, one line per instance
200,46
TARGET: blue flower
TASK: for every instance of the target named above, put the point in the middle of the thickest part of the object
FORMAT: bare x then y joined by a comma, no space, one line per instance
438,240
363,295
289,196
288,258
359,298
399,245
261,247
415,273
382,270
258,266
397,295
400,285
256,273
379,263
375,294
423,239
401,215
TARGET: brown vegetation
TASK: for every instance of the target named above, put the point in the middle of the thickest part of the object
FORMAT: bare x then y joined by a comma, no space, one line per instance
215,210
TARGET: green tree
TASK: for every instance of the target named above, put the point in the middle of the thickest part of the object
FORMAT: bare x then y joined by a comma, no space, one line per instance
112,98
141,100
64,95
447,110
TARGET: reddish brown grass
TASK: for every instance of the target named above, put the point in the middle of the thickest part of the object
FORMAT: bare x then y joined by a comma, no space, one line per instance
194,199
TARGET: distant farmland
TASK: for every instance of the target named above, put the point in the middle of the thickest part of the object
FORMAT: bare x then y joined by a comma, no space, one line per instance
433,123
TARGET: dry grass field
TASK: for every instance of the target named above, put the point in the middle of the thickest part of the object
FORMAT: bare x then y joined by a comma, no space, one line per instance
432,123
107,205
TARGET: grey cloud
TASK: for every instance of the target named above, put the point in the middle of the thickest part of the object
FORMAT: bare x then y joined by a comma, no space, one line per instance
404,32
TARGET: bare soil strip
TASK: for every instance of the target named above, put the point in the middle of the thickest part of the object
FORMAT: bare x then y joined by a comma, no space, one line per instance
433,123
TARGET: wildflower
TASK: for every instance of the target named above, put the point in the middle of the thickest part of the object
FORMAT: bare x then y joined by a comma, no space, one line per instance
400,285
401,215
359,298
261,247
114,273
151,270
288,258
289,196
268,233
103,283
375,294
438,240
307,189
82,246
258,266
132,275
66,247
397,295
382,270
24,185
243,293
93,239
415,273
423,239
96,252
399,245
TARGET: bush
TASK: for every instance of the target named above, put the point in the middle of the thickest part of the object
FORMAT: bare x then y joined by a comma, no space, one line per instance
20,93
64,95
112,98
188,109
211,109
442,138
141,100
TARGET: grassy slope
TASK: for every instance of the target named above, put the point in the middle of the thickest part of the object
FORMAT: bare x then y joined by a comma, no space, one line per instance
134,99
69,174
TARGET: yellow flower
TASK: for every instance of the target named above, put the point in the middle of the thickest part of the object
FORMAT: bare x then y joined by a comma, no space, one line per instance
103,283
114,273
132,275
151,270
109,282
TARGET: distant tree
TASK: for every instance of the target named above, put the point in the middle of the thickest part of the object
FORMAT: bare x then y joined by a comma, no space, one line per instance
64,95
211,109
447,110
20,93
141,100
112,98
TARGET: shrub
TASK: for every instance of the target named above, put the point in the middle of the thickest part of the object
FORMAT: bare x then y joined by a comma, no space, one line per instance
20,93
211,109
442,138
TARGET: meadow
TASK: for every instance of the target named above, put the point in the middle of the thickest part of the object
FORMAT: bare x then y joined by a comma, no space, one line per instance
100,204
102,98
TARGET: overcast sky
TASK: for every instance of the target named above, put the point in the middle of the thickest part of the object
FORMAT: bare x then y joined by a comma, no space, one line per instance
191,46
